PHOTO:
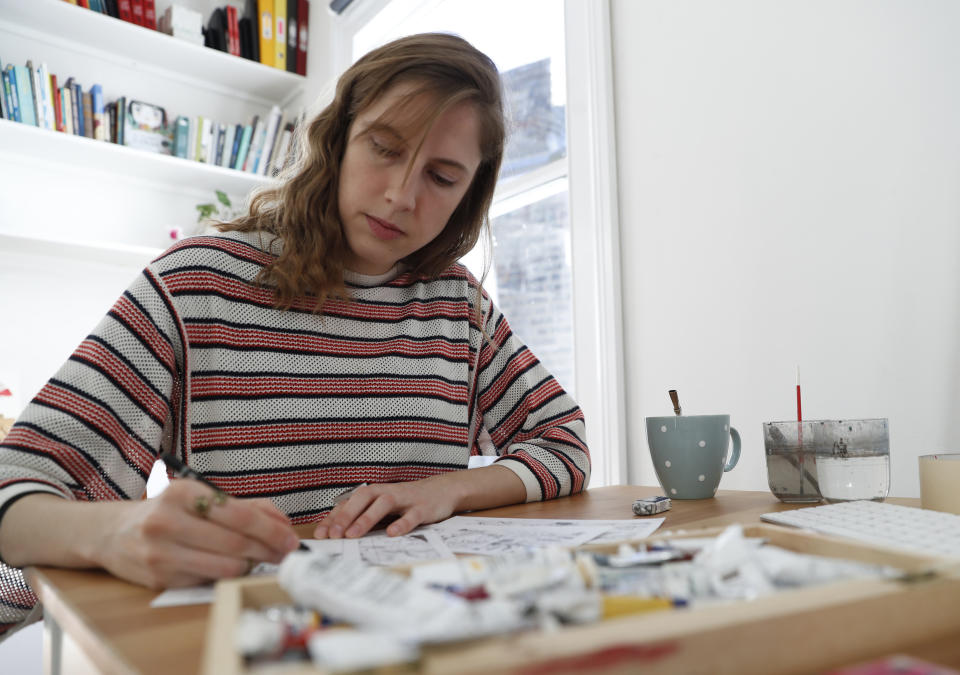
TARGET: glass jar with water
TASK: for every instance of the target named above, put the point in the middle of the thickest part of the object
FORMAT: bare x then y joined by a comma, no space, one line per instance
836,460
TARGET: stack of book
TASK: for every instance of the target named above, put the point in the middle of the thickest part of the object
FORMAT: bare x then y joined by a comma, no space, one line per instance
33,95
139,12
262,147
273,32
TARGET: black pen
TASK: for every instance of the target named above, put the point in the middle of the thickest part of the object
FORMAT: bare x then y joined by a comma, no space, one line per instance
181,470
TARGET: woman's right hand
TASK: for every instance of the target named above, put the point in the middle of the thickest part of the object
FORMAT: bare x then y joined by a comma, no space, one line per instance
168,541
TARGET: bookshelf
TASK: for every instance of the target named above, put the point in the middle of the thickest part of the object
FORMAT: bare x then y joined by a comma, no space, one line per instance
148,193
60,24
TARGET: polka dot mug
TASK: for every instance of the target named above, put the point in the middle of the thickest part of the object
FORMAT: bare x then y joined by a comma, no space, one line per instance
689,453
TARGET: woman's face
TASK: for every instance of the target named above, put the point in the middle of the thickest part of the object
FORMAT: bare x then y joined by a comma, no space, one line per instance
390,208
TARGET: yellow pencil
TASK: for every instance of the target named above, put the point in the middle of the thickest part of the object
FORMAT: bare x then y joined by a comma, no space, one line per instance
621,605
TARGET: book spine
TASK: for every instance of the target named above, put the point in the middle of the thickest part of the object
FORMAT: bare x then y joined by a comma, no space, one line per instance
227,149
88,121
24,83
292,36
122,121
235,150
233,31
149,14
181,136
96,105
197,137
125,9
280,34
14,96
269,140
57,108
46,98
265,17
303,21
7,100
137,6
37,96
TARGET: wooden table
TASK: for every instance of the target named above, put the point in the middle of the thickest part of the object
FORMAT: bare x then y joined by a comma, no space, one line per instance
94,617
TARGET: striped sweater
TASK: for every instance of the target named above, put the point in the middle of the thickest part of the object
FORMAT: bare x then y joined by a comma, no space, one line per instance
395,385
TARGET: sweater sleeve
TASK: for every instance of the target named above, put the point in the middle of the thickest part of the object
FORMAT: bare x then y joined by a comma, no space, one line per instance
95,429
537,428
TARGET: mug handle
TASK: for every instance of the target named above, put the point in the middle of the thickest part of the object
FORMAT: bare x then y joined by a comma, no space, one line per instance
735,457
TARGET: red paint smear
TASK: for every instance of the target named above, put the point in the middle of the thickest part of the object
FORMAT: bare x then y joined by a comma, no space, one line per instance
603,658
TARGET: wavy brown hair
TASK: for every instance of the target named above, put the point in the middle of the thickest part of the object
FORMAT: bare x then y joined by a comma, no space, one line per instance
303,210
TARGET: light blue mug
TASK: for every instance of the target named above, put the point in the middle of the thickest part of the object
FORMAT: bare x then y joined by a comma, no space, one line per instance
689,453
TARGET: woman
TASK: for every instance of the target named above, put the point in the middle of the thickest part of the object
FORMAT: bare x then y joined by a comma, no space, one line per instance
326,340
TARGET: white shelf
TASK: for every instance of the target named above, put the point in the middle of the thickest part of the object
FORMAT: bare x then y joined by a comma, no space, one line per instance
104,252
67,150
136,47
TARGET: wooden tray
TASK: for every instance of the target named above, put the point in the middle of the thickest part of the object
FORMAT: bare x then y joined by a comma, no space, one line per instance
792,631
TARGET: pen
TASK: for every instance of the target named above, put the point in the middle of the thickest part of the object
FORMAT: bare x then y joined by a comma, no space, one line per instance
181,470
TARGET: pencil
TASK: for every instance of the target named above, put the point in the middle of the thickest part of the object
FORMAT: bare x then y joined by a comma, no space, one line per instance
181,470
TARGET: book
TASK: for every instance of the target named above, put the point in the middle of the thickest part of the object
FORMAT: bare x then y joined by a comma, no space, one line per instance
256,146
97,108
57,108
10,88
110,113
303,21
280,34
41,87
145,128
244,148
121,120
233,31
89,122
282,152
198,149
265,18
112,9
181,136
246,39
252,15
5,111
24,88
137,6
221,136
149,14
226,149
292,36
215,34
232,143
125,10
272,131
37,95
67,109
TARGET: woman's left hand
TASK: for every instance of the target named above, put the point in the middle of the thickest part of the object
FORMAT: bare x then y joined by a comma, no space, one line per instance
417,503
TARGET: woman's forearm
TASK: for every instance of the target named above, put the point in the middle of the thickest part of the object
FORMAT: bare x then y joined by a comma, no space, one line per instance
43,529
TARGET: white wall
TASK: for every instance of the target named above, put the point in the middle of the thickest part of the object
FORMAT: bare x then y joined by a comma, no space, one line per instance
789,177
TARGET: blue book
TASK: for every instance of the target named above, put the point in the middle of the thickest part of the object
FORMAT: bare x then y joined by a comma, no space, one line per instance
234,151
244,147
99,125
78,106
10,89
181,136
7,111
24,85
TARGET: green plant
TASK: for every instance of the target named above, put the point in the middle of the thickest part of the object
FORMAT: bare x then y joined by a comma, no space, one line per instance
222,210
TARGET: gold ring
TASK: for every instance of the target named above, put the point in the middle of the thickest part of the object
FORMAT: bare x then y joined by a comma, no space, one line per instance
202,506
219,498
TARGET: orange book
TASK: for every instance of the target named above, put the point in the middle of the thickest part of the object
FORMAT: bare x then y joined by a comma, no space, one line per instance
267,47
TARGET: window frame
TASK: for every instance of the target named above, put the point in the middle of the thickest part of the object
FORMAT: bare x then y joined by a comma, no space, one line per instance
591,173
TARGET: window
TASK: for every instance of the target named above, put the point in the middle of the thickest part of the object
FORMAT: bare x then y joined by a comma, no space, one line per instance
573,328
